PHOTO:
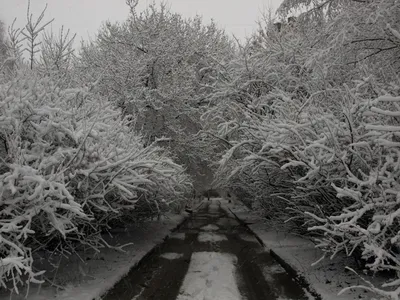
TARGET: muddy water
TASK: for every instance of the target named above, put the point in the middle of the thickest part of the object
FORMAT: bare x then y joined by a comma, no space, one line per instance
258,275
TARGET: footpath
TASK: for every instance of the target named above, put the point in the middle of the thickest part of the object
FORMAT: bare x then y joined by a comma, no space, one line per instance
298,255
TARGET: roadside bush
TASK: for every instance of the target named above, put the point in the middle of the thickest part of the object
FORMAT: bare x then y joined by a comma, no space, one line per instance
72,165
322,116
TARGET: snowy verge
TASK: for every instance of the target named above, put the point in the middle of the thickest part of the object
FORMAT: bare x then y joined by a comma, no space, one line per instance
297,255
89,275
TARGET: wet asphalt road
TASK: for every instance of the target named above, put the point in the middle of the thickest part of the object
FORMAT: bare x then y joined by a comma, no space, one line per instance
160,275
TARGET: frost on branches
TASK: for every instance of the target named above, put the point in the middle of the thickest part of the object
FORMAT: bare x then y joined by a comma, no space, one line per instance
309,113
158,65
369,223
72,166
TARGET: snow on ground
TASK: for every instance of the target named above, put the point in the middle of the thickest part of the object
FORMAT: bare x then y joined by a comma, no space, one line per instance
248,238
210,227
90,275
171,255
177,235
211,276
327,278
210,237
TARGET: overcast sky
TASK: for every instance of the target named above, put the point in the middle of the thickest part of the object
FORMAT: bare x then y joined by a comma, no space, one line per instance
85,16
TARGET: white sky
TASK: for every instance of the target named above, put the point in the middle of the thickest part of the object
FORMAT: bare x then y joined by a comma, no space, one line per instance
85,16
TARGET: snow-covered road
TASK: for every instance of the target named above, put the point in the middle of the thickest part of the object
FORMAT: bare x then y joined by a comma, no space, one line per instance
211,257
211,276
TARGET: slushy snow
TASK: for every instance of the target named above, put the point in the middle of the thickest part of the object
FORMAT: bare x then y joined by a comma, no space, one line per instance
211,276
211,237
171,255
210,227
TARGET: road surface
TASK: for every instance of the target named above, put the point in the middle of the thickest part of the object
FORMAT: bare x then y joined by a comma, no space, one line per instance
210,257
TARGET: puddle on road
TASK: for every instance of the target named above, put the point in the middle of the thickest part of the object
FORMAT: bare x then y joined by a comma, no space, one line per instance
161,274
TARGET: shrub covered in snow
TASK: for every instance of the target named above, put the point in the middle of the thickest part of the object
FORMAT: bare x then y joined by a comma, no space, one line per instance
72,166
310,116
158,65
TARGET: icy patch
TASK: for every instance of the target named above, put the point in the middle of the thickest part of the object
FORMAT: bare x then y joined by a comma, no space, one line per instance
210,237
178,235
171,255
210,277
210,227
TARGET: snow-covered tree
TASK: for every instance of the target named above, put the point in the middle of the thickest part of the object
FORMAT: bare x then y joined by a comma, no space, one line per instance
3,45
158,65
57,53
309,118
71,163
